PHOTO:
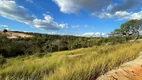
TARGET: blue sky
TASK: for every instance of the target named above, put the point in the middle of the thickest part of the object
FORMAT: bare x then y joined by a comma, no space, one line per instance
68,17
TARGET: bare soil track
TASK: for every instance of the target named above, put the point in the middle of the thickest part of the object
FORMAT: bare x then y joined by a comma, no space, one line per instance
14,35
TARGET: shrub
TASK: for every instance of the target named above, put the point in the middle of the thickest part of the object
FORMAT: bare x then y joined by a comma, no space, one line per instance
2,60
5,30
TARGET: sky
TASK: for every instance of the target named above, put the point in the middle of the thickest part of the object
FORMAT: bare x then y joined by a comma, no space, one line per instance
68,17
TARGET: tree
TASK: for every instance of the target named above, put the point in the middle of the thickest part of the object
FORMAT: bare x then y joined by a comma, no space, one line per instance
117,33
131,28
5,30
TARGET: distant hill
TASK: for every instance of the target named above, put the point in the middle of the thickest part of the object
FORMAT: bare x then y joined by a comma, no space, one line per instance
27,43
13,35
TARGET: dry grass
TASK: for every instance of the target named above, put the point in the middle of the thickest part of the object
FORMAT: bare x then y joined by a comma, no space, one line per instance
84,64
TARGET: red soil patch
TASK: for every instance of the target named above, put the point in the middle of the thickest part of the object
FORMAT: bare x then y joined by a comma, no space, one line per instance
128,71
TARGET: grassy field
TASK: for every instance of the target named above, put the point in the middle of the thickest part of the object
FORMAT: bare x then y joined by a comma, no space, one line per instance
80,64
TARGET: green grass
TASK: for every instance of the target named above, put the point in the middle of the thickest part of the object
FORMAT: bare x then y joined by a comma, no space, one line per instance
80,64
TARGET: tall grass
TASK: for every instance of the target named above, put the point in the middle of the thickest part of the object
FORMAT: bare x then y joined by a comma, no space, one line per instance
80,64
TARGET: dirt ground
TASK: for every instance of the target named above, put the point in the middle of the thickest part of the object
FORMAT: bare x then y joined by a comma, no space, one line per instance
128,71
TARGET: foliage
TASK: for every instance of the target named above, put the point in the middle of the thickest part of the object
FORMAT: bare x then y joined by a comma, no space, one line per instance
80,64
5,30
131,27
128,29
2,60
43,43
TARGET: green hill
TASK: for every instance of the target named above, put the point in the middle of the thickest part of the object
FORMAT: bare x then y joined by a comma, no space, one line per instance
42,43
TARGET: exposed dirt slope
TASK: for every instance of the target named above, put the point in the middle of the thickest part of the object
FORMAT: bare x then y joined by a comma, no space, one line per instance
128,71
12,35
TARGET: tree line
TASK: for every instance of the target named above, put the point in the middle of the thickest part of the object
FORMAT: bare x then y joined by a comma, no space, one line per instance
44,43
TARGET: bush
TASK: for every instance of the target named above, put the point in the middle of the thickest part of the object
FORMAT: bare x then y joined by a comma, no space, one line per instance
2,60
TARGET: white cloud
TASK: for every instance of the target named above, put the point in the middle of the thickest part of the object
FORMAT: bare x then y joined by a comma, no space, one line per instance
86,26
122,15
122,11
125,5
30,1
90,34
48,12
76,26
51,33
93,34
73,6
102,8
4,27
48,23
10,10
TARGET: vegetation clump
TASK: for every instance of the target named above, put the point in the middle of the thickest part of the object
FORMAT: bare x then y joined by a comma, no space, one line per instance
44,43
80,64
2,60
130,30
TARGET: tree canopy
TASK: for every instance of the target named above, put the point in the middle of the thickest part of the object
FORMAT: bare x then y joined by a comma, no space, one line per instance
130,29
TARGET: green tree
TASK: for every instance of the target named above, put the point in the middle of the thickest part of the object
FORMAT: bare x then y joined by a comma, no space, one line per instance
5,30
131,28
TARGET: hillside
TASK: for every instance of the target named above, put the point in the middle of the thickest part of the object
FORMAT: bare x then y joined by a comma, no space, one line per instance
14,35
80,64
19,43
35,56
